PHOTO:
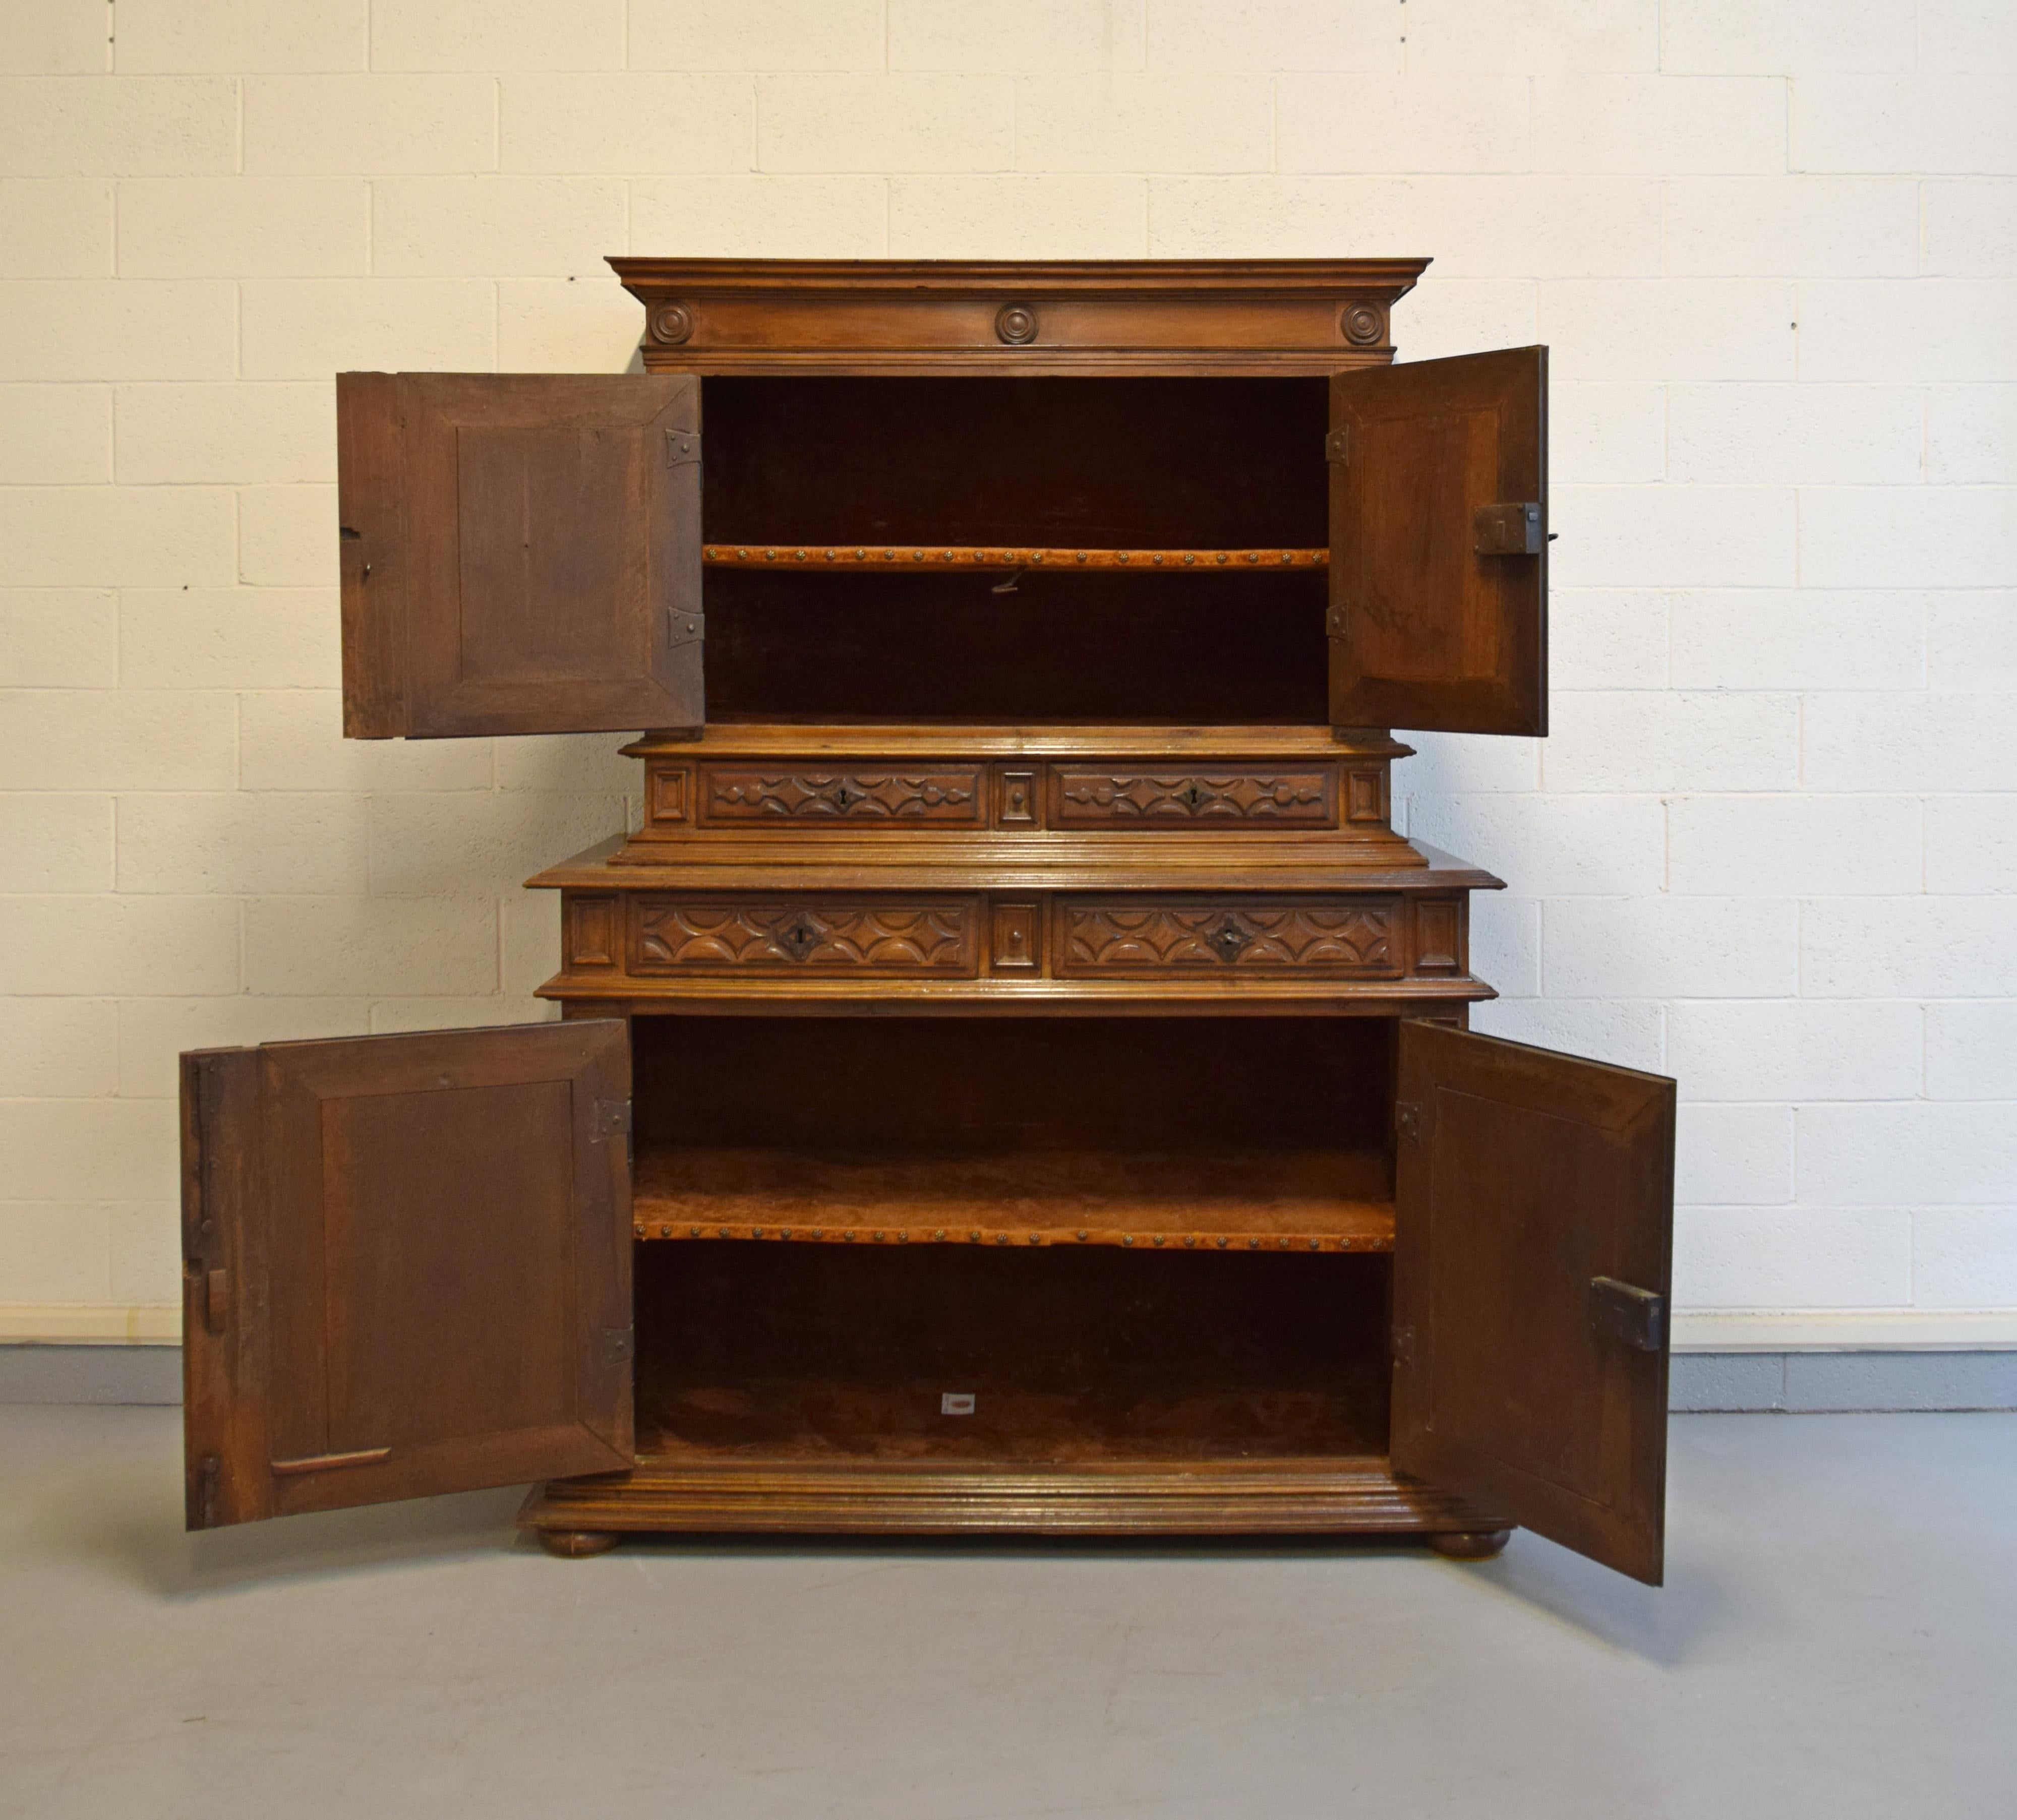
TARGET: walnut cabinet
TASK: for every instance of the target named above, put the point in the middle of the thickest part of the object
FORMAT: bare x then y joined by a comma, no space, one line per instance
1013,1076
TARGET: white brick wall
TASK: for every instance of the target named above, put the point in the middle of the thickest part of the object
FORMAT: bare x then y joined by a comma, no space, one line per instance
1772,846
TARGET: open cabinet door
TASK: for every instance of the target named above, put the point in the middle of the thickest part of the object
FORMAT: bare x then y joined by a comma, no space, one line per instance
521,553
1533,1230
406,1267
1439,544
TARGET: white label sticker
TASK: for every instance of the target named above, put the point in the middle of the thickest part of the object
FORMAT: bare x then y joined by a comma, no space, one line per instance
956,1403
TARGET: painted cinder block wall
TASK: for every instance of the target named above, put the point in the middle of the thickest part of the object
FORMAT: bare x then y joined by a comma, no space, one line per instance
1771,847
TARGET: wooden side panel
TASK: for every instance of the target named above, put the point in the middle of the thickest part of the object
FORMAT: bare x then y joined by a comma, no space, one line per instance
522,554
1425,630
424,1241
371,471
1533,1205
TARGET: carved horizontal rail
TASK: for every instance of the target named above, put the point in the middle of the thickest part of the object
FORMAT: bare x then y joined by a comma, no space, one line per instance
893,557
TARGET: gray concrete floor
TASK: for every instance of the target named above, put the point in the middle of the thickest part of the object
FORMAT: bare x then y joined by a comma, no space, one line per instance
1837,1639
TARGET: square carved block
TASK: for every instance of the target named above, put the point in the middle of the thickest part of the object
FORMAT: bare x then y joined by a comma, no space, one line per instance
1018,943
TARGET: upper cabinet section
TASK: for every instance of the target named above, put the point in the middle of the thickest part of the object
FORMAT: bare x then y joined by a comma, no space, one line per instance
521,553
1439,543
994,316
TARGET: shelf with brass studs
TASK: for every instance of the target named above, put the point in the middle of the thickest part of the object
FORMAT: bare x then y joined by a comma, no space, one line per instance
1217,1200
889,558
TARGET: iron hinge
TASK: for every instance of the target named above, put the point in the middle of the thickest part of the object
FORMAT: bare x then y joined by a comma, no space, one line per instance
1335,621
1620,1311
619,1344
611,1117
682,448
1404,1346
1508,529
683,628
1337,445
1407,1121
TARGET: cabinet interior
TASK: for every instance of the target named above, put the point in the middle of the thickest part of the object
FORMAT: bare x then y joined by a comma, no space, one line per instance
1146,463
1107,1235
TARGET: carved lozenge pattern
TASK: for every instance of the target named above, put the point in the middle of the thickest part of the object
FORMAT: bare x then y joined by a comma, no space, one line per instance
1100,798
1329,939
868,796
936,938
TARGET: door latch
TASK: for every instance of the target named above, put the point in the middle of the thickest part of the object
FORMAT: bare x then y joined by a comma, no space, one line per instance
1622,1312
1511,529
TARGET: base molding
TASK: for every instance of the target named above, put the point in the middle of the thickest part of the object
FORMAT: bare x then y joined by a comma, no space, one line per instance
1311,1497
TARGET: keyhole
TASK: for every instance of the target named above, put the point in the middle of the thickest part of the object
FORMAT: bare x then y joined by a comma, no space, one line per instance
843,796
1229,941
1193,795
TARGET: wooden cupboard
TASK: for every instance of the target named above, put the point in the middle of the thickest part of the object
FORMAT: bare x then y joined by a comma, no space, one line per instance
1015,1076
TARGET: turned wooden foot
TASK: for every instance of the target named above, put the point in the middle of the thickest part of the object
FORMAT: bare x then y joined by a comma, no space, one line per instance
1470,1544
576,1544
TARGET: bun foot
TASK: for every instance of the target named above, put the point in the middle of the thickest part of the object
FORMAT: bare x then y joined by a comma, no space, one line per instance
1470,1544
576,1544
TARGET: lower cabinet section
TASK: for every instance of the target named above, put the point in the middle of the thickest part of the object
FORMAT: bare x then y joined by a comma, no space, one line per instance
1059,1273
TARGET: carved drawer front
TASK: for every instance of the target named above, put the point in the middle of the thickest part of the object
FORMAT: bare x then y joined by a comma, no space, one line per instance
938,936
1257,796
1335,937
863,796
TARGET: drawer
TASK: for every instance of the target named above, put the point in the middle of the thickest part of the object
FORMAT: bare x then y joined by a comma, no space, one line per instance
863,937
860,795
1333,939
1259,796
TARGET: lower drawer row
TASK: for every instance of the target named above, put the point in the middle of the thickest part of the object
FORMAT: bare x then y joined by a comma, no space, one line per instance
1039,935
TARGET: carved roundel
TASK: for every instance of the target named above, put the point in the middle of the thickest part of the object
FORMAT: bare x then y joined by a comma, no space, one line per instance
1016,324
1363,325
673,322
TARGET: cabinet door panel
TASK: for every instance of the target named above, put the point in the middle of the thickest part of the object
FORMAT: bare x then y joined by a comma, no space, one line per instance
408,1266
1534,1214
520,554
1439,557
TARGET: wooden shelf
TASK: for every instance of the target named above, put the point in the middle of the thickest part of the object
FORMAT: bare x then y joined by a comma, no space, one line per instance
897,558
1210,1200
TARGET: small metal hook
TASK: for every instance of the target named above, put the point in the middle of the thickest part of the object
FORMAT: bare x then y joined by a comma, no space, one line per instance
1008,586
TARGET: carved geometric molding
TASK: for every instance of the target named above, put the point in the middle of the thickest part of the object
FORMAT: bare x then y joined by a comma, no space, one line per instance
1089,798
1438,932
742,796
591,932
1366,794
1018,944
1334,939
673,935
668,788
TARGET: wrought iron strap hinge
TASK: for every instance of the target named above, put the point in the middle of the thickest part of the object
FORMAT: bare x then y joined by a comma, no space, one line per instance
683,628
618,1344
611,1117
682,448
1622,1312
1407,1121
1337,445
1336,620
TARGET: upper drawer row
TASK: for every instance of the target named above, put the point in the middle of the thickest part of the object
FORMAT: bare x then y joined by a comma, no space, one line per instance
684,796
